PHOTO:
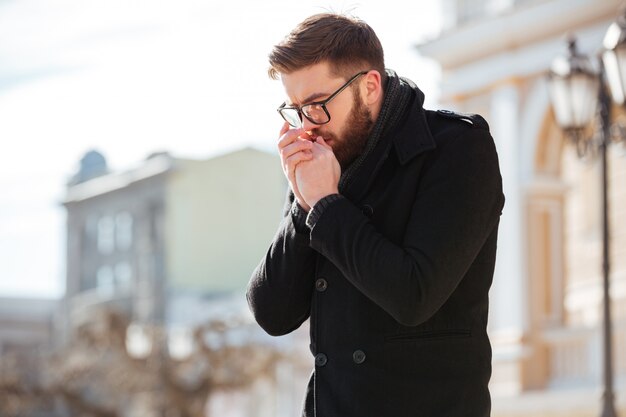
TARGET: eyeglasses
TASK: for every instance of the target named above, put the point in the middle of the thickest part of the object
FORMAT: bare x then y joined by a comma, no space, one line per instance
315,112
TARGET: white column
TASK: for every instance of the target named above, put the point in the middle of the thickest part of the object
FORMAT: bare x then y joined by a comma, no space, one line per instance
509,291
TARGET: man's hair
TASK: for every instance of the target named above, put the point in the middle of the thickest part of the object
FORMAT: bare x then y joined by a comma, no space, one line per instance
348,44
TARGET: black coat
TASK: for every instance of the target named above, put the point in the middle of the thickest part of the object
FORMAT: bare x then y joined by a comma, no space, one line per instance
395,276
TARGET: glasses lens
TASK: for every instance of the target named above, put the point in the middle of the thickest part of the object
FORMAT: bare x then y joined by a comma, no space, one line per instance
291,116
315,113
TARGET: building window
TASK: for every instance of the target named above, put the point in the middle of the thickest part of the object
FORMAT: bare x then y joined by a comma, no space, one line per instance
123,276
124,231
91,227
106,234
105,280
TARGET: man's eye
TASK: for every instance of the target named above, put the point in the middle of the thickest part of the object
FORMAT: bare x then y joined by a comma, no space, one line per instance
312,108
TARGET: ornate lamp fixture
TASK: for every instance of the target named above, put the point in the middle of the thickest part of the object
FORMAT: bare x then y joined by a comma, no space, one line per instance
581,103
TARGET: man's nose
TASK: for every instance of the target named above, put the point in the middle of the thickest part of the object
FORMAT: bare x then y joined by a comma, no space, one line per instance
308,126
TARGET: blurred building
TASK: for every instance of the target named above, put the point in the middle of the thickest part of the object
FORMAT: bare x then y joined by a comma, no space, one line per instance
26,324
546,300
169,229
173,242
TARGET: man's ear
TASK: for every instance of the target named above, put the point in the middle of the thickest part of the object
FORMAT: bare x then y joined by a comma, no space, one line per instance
372,88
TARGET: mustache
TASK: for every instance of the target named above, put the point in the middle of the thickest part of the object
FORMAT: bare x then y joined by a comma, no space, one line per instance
325,135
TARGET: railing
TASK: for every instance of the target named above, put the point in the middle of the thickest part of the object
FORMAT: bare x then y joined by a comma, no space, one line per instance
575,355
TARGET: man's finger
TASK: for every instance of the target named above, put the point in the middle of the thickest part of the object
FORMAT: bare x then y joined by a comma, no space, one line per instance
289,136
292,161
298,145
284,129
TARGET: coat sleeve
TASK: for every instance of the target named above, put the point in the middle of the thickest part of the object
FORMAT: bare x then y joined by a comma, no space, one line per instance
280,289
457,205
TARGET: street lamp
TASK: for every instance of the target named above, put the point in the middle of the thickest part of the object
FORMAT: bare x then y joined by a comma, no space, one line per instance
614,58
579,95
574,86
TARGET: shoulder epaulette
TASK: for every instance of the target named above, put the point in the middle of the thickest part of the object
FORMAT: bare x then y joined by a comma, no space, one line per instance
475,120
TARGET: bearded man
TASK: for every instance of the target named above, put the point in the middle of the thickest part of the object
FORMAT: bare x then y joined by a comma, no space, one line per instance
388,241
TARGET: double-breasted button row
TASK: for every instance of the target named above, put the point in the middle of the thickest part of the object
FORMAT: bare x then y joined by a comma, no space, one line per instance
320,359
358,357
321,284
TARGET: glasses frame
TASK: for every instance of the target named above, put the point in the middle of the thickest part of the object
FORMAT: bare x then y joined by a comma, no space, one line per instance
321,103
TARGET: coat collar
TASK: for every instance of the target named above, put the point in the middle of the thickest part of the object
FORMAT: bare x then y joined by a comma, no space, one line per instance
410,138
414,135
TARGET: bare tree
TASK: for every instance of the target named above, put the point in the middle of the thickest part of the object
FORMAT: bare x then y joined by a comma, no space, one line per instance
94,376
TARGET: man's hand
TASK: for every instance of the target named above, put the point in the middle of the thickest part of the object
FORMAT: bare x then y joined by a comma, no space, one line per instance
294,147
318,176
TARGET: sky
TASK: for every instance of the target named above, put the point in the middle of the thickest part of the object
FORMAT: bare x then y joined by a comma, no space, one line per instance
129,78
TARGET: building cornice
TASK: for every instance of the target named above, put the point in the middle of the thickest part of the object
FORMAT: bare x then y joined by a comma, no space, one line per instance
116,181
519,26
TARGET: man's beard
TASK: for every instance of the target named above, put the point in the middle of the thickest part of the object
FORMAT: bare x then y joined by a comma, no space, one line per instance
353,138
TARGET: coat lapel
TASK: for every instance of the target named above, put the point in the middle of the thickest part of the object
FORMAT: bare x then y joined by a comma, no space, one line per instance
411,139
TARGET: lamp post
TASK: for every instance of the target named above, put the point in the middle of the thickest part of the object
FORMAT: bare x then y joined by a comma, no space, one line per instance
579,94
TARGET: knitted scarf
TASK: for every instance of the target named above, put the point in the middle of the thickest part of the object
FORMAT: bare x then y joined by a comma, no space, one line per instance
398,93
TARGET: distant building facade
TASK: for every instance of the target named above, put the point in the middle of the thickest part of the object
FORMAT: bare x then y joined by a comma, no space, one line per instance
26,324
546,300
168,228
173,242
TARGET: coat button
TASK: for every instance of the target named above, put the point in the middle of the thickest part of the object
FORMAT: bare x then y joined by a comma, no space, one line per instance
320,359
358,356
321,285
367,210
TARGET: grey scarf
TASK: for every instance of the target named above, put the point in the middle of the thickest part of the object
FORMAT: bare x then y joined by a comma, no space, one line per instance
398,92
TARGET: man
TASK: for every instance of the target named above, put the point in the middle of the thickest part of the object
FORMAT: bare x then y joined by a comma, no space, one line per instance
388,240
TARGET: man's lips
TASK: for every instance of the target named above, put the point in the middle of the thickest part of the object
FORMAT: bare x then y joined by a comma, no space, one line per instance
327,141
